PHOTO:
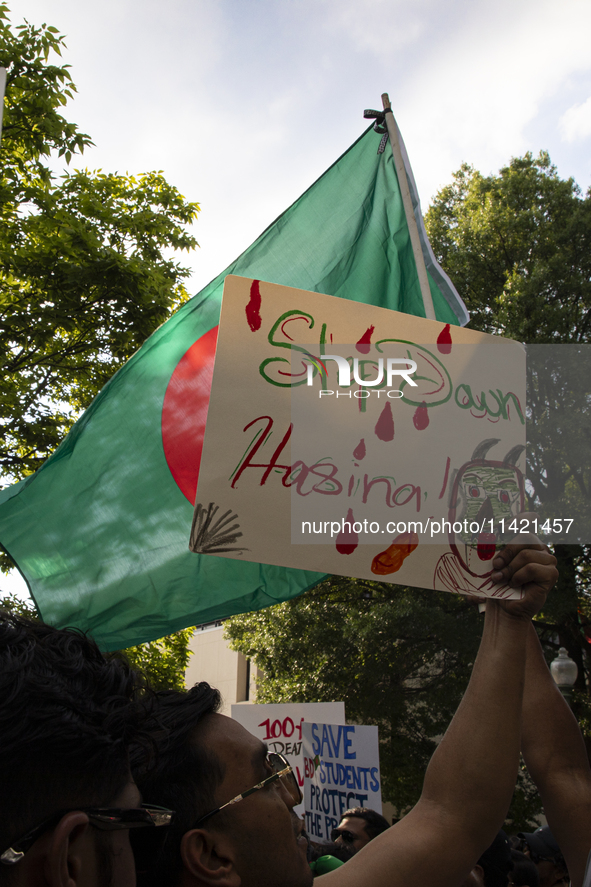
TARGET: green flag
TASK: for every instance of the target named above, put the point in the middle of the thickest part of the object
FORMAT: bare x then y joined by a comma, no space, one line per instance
101,531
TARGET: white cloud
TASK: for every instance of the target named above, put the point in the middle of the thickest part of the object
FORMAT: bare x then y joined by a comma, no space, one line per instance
381,27
575,123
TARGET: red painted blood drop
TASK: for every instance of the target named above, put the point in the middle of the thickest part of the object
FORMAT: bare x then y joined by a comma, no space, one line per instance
253,309
421,417
444,340
364,343
385,425
347,540
359,451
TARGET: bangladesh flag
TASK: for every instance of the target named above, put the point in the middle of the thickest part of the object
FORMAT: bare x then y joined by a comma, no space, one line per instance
100,533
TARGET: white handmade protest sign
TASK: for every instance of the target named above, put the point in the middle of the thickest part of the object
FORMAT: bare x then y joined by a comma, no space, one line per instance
350,439
341,770
280,726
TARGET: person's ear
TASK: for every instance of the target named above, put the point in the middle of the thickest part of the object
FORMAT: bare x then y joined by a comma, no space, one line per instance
208,857
68,850
478,872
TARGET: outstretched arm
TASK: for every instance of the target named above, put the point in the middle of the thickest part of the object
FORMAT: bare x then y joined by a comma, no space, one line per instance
557,760
471,777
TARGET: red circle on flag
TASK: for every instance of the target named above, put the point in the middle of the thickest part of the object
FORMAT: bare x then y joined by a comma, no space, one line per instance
184,412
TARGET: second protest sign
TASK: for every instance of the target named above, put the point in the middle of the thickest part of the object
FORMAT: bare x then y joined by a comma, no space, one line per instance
341,770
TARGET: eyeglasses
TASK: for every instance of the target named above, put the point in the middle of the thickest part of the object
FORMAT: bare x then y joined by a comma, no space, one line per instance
104,818
282,770
346,836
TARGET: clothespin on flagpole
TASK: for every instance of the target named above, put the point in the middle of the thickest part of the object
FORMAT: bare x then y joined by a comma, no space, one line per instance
408,208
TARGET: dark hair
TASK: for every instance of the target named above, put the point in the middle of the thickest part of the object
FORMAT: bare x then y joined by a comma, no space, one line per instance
496,862
67,717
343,852
524,872
375,823
183,776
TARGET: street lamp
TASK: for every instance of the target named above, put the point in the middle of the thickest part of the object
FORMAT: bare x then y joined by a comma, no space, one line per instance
564,671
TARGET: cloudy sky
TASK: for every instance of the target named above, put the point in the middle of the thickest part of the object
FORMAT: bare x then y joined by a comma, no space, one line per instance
243,103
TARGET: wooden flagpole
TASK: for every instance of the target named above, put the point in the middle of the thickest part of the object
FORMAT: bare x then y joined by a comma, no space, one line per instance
408,209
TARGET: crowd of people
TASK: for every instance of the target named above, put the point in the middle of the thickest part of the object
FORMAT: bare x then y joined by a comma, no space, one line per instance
523,860
104,781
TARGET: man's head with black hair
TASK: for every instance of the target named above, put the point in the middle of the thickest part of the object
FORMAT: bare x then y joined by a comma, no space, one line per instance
494,866
359,826
204,761
183,774
67,717
496,862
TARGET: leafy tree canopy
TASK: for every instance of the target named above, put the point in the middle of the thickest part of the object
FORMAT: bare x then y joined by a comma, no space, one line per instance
518,248
84,273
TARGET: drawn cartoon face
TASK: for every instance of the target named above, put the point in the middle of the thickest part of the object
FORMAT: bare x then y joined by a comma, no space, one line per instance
485,494
489,494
